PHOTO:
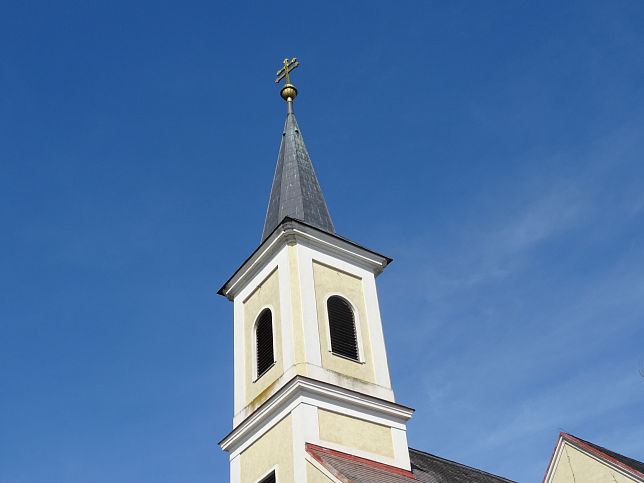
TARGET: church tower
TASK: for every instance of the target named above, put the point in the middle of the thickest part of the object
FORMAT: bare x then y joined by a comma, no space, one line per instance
310,366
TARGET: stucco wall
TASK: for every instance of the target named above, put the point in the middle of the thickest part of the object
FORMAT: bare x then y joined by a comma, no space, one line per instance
355,433
266,295
273,448
330,281
574,466
313,475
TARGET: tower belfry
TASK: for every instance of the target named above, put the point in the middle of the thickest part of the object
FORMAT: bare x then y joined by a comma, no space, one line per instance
311,378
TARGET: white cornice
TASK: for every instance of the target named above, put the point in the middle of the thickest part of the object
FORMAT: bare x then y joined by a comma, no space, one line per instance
292,231
303,389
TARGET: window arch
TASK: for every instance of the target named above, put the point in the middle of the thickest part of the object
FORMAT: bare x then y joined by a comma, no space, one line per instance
342,327
264,342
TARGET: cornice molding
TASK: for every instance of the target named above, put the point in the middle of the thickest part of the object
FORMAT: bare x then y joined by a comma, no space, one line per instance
291,232
309,390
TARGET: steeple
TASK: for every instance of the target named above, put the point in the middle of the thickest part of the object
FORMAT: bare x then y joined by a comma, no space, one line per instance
296,192
313,401
311,366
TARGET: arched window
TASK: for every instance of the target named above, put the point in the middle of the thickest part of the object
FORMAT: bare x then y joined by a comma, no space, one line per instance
264,341
342,328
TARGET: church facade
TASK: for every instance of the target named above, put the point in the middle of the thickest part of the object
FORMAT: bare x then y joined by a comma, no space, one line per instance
313,400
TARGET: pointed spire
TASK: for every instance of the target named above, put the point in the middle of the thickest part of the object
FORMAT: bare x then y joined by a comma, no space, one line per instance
296,192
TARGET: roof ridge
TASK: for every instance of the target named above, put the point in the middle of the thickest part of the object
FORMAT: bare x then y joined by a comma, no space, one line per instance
632,464
459,464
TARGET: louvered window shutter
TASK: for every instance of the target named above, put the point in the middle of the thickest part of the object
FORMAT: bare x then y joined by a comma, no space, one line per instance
269,479
264,338
342,328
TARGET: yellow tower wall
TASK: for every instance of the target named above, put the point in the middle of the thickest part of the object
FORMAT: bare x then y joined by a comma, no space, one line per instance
294,277
265,295
273,449
330,281
355,433
313,475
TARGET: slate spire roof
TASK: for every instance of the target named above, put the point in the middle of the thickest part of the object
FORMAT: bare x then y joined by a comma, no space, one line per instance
296,192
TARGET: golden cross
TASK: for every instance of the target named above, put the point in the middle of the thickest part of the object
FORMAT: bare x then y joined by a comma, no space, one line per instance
289,65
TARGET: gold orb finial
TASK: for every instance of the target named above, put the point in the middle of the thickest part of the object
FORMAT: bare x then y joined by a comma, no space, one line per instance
288,92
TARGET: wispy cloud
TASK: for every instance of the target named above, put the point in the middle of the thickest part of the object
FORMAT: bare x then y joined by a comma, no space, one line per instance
533,309
580,398
545,217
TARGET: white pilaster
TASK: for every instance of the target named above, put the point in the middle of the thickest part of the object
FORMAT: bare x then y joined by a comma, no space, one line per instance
381,366
238,351
235,469
286,309
309,307
305,430
401,450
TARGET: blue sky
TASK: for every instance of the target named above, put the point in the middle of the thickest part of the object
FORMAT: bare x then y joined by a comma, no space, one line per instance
493,149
